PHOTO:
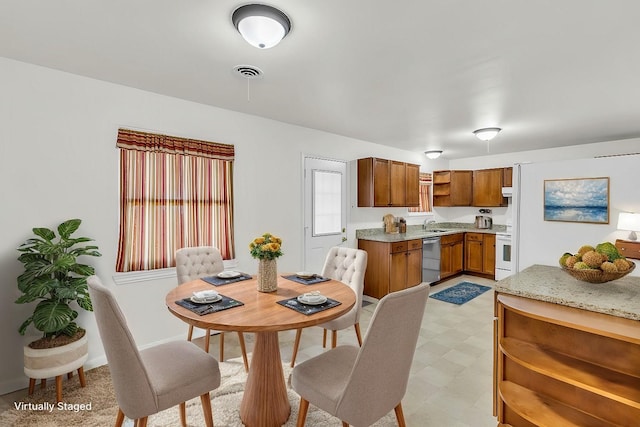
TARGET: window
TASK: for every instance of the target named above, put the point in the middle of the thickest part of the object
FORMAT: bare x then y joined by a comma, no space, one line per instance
174,193
425,194
327,202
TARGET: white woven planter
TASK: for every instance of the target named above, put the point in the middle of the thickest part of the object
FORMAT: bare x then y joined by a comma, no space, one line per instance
51,362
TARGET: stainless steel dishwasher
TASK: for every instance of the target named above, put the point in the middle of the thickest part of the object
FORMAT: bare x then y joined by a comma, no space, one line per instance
431,259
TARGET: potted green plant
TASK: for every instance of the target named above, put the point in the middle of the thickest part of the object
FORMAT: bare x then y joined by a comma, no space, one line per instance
54,277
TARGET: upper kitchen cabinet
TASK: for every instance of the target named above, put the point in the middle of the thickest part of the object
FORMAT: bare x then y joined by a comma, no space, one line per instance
508,177
452,188
412,196
487,187
387,183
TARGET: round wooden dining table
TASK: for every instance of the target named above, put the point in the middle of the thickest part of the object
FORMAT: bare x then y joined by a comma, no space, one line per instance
265,402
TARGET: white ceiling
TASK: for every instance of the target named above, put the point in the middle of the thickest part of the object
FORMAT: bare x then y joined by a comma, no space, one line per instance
414,74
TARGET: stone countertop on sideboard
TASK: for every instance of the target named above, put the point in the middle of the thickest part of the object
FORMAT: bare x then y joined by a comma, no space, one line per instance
620,298
418,232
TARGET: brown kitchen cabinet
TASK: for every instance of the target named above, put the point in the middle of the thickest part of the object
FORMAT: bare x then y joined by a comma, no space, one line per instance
487,188
563,366
480,253
387,183
391,266
451,255
452,188
508,177
412,194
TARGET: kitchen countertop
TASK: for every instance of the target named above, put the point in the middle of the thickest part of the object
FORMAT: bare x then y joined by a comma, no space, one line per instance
418,232
620,298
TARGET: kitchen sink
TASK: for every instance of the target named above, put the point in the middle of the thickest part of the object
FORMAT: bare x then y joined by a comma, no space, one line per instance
437,231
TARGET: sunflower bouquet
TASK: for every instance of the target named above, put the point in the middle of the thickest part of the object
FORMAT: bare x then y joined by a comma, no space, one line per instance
266,246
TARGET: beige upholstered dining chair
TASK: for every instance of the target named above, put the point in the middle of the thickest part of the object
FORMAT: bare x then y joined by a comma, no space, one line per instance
154,379
197,262
347,265
361,385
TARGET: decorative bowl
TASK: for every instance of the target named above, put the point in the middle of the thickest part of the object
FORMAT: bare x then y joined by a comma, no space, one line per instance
598,276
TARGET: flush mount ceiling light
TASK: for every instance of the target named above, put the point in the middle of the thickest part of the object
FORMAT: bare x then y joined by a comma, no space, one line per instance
261,26
433,154
486,134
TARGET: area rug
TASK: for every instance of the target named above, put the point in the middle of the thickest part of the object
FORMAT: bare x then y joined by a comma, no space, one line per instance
225,402
460,293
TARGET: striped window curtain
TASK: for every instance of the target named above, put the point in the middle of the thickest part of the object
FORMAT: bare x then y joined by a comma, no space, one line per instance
425,193
174,193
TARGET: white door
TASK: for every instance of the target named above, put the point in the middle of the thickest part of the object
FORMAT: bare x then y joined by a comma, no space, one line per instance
325,209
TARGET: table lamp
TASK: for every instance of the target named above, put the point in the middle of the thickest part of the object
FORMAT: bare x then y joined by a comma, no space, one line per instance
631,222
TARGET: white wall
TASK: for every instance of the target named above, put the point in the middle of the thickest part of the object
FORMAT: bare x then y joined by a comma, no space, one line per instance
543,242
58,160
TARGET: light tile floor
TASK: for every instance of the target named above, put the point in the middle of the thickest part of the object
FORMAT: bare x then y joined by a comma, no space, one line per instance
451,376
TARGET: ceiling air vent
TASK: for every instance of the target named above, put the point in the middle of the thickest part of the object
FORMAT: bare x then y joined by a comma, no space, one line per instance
248,71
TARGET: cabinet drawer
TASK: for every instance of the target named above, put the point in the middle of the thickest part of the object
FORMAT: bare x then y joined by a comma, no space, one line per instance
451,238
398,247
414,244
628,249
473,237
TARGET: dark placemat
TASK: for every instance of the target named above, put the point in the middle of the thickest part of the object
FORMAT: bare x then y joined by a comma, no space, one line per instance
307,309
315,279
218,281
206,308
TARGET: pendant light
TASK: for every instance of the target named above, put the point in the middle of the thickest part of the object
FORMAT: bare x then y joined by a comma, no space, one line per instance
260,25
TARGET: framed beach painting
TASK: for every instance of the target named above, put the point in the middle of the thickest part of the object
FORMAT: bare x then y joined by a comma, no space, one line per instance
577,200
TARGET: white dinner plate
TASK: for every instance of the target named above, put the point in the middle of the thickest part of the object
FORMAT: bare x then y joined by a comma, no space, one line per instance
207,300
206,294
319,301
305,275
229,274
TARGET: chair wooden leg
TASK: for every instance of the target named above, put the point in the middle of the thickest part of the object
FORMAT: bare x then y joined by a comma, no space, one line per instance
400,415
83,382
221,342
190,334
296,343
119,418
69,375
324,338
358,334
206,409
59,388
207,338
32,385
334,339
141,422
345,424
43,383
302,412
183,414
244,351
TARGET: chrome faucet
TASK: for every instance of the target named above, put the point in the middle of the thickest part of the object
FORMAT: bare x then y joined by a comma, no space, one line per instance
427,222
